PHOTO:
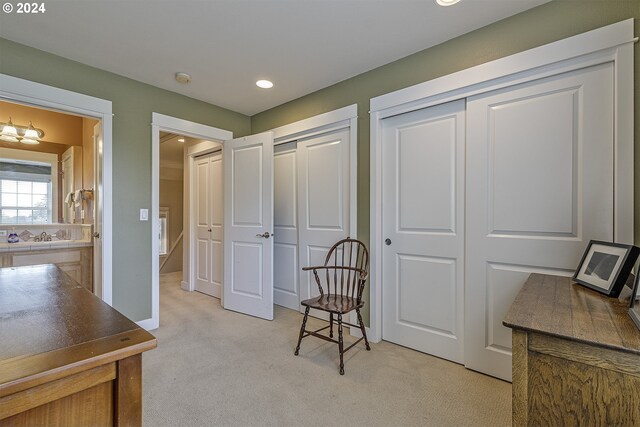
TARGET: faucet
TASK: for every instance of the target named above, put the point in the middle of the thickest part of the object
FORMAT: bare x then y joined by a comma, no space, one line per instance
42,237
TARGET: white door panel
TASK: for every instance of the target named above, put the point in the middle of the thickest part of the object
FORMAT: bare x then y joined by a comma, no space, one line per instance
323,200
285,224
539,187
248,214
423,218
208,223
216,215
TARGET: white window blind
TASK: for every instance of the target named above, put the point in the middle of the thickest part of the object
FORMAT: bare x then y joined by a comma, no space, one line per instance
25,193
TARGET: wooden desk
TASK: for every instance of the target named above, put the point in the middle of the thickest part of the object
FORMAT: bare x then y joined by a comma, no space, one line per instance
66,357
576,356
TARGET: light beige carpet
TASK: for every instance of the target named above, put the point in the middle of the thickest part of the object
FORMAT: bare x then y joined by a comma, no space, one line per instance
217,367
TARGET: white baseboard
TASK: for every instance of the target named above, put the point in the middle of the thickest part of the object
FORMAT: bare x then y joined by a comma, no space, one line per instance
184,285
355,332
149,324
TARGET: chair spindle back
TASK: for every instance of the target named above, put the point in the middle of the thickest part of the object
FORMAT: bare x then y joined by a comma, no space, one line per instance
350,258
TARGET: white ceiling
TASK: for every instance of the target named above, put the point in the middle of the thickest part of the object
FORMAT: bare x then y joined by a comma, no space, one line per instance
226,45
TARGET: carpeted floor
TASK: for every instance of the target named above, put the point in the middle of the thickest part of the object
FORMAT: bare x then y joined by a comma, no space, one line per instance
217,367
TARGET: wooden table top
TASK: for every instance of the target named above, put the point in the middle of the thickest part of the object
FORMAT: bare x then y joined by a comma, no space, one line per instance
556,306
49,324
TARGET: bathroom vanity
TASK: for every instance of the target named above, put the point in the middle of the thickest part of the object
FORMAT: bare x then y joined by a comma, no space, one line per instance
68,246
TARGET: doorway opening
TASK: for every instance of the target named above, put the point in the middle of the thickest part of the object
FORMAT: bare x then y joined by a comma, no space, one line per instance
171,202
50,193
198,140
203,192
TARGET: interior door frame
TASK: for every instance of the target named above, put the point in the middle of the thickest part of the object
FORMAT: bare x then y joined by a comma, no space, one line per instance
161,122
23,91
612,43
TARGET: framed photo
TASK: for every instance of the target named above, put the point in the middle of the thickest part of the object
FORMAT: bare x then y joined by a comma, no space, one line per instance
605,266
634,302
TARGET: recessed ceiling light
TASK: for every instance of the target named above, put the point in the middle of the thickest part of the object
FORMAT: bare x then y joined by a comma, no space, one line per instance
183,78
264,84
446,2
180,139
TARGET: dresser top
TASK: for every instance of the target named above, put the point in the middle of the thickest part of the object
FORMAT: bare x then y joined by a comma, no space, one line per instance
556,306
49,322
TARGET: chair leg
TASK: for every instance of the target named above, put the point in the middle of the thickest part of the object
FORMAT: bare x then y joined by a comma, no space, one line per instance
340,343
304,324
330,325
364,333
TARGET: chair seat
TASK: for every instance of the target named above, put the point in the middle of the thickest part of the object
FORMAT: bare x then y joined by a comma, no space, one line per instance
333,303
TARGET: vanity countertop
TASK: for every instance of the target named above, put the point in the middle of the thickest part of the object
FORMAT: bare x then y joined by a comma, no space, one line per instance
38,246
60,236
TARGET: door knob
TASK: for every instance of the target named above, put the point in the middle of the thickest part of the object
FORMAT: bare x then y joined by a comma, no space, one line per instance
96,235
266,235
387,241
209,230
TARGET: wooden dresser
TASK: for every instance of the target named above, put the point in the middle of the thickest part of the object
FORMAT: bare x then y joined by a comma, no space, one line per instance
576,356
66,357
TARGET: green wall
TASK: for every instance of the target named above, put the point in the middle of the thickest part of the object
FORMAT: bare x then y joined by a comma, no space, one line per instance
133,103
545,24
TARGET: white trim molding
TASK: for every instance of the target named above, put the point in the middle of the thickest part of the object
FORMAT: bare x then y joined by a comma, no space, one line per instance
161,122
322,123
613,43
22,91
148,324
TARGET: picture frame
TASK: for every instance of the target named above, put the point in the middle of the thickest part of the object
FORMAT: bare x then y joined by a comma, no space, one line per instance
634,301
605,266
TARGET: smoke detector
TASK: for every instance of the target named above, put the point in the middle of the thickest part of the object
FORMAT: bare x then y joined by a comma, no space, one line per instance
183,78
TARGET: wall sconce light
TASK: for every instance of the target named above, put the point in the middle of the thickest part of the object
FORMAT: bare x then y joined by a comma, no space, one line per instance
24,134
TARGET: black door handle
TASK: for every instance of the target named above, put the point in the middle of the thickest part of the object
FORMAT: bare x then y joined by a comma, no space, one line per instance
387,241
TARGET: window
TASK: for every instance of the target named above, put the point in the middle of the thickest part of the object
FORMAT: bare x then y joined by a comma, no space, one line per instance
25,193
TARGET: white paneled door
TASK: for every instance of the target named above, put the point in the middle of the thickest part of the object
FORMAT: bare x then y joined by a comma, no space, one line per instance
323,194
208,224
423,230
539,187
285,223
248,225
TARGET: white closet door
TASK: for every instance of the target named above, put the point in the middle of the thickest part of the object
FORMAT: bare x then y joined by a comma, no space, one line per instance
323,200
208,241
423,230
248,225
285,224
217,211
539,187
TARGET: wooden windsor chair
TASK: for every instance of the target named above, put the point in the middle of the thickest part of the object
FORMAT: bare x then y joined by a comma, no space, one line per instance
341,281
